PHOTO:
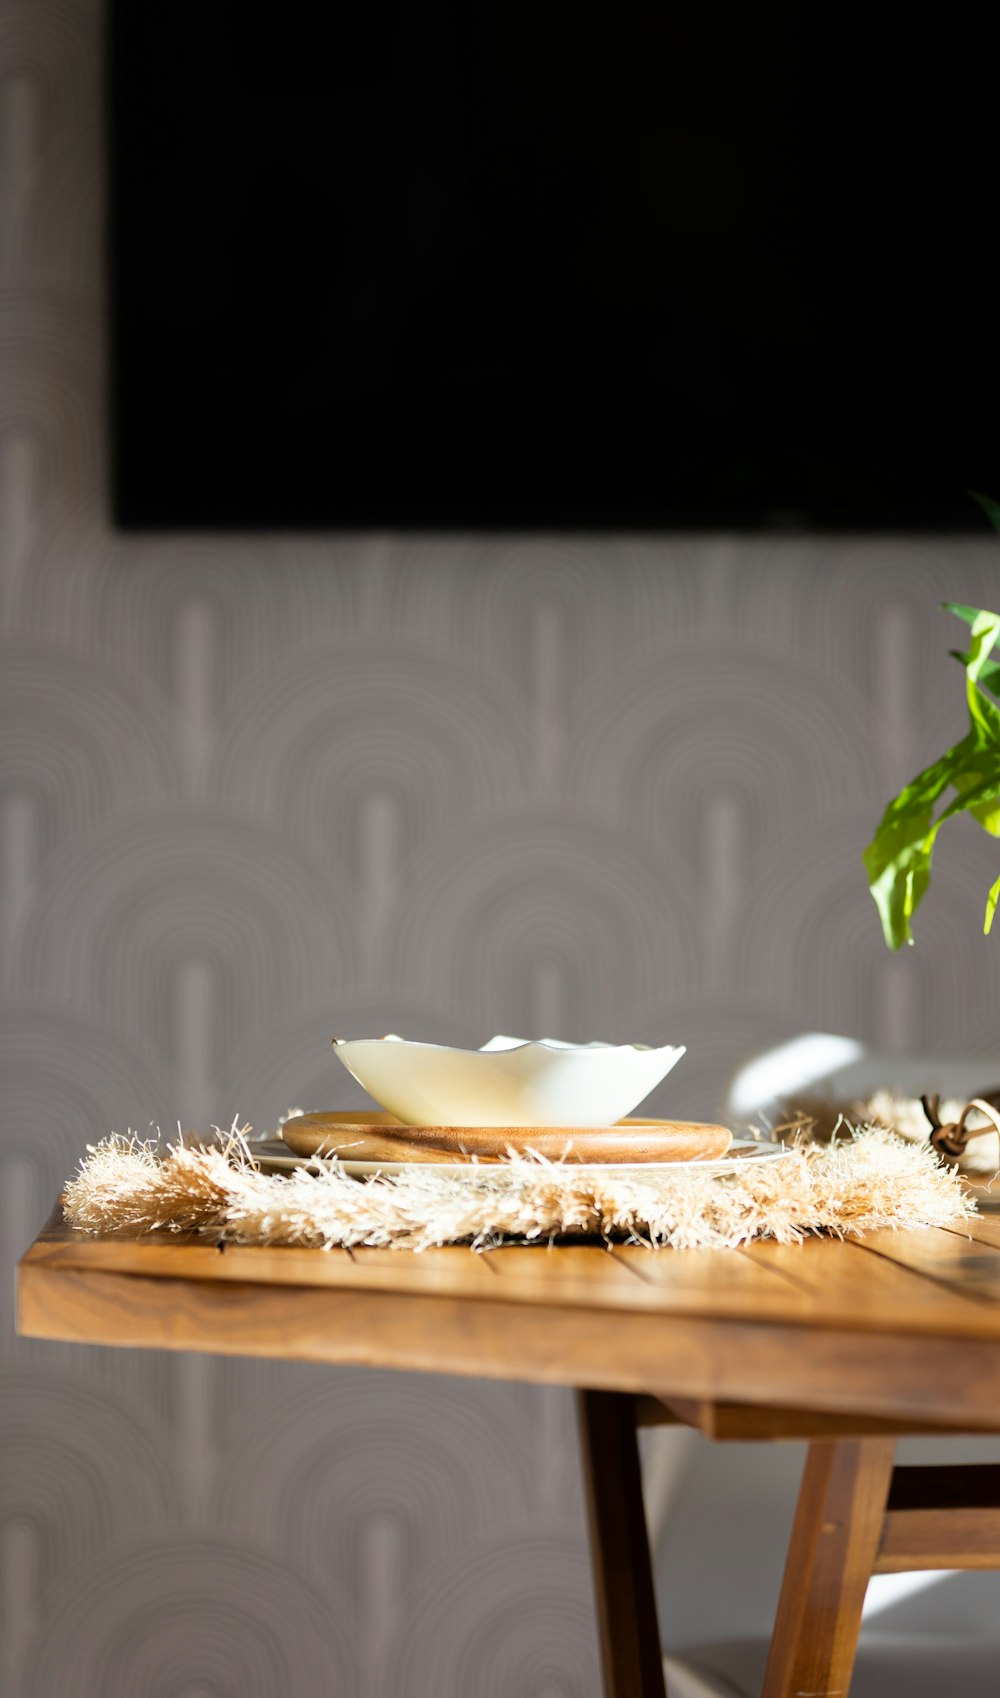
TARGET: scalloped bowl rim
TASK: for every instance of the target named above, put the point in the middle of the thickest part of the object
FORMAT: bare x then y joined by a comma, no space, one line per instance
501,1045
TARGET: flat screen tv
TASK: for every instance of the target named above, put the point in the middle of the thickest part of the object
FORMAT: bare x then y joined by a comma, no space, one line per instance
552,263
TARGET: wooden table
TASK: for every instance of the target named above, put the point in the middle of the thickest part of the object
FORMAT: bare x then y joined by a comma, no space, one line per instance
846,1344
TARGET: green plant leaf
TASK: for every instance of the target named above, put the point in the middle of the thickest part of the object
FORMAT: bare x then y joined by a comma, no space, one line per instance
988,816
989,672
978,795
990,507
991,905
985,630
899,857
977,780
969,614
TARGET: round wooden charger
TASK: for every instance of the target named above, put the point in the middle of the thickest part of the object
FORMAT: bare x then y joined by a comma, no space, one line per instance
381,1138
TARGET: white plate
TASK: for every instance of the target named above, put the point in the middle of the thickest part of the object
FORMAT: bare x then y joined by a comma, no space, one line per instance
270,1157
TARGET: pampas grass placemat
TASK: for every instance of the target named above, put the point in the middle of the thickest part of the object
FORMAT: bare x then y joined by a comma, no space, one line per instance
869,1180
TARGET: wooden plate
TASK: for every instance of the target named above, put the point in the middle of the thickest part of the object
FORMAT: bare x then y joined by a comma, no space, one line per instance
379,1138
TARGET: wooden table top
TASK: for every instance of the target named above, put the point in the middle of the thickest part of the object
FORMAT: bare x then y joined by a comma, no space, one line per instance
904,1326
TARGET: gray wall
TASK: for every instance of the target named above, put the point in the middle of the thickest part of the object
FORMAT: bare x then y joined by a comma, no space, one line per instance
256,791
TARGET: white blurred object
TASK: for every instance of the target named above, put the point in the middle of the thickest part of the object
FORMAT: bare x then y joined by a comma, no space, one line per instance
509,1082
822,1067
820,1064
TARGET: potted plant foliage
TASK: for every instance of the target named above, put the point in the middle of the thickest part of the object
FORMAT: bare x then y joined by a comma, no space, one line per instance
964,780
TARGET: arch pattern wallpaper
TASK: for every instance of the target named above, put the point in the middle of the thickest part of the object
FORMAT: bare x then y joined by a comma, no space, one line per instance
258,790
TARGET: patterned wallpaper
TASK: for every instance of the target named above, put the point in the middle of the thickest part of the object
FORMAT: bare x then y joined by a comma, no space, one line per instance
257,790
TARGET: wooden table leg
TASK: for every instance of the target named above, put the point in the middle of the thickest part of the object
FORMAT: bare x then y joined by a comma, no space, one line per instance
838,1523
631,1659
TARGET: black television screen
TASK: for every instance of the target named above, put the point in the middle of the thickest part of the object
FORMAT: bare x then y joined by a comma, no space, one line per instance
533,263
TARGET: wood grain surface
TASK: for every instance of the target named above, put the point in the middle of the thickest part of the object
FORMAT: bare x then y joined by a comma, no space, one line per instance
740,1423
845,1328
942,1518
631,1662
838,1523
634,1141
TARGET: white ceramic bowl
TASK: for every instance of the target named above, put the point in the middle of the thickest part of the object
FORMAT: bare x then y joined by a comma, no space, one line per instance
509,1082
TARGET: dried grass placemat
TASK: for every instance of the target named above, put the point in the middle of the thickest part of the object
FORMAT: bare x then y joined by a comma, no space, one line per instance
871,1179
